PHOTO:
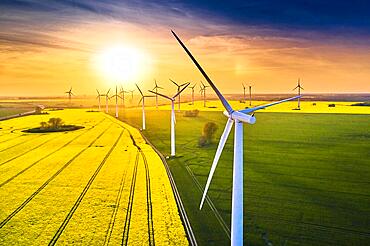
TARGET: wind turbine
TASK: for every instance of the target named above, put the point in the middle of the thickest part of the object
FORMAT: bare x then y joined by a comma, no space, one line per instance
122,91
299,92
192,93
116,96
173,119
142,99
156,87
243,92
250,95
132,95
204,93
178,89
239,117
70,94
98,97
106,95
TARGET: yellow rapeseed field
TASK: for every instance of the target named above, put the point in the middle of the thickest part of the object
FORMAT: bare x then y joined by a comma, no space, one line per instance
98,185
306,107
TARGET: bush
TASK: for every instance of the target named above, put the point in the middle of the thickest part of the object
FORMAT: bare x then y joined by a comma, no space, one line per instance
331,105
208,134
191,113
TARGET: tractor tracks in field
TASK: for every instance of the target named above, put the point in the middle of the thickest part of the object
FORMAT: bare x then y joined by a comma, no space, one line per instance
132,192
83,193
130,202
51,153
126,230
18,209
22,142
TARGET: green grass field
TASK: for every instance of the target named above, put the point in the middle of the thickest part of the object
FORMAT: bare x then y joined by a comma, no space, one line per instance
306,176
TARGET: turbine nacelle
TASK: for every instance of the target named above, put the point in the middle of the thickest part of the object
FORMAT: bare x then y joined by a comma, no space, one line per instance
236,115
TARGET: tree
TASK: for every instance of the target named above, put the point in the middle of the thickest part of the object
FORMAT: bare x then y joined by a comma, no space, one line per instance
43,124
55,122
208,134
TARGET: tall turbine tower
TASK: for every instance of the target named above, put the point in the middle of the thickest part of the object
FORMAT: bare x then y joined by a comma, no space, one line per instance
142,99
106,100
250,95
173,119
299,87
132,95
70,94
192,93
243,92
98,97
156,87
178,89
122,92
239,117
116,96
204,93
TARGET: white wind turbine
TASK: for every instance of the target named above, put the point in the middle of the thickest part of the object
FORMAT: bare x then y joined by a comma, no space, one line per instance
239,117
142,99
122,92
192,93
98,97
173,119
178,89
116,96
106,100
156,87
203,92
299,87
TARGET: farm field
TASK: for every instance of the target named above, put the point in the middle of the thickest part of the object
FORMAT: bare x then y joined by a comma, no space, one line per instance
306,176
100,185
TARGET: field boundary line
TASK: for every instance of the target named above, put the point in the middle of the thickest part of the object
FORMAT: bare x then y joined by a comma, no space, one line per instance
17,210
46,156
82,195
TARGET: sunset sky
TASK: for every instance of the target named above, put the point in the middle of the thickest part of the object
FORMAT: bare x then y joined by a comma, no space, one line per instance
48,46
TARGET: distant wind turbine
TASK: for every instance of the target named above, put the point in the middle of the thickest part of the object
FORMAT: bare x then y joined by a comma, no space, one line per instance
243,92
299,87
250,95
173,119
192,93
98,97
156,87
203,89
178,89
132,95
116,96
122,92
142,99
239,117
70,94
106,95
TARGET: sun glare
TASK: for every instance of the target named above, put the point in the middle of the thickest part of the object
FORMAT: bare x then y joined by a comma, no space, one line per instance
122,64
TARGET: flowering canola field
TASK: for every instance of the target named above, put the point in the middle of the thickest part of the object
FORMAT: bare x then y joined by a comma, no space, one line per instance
101,185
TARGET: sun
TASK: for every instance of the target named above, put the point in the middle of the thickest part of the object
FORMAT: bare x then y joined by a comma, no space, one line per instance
120,63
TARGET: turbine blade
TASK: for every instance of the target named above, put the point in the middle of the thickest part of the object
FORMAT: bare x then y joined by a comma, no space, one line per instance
139,90
97,91
174,82
159,94
184,84
108,92
140,101
223,100
178,93
249,110
220,147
